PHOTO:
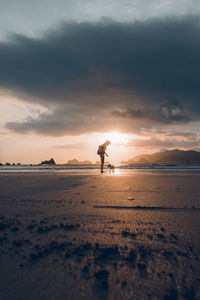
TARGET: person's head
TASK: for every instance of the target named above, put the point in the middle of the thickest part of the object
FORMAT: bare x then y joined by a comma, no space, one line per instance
107,143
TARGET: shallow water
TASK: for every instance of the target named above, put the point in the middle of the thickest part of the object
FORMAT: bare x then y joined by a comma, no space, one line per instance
94,170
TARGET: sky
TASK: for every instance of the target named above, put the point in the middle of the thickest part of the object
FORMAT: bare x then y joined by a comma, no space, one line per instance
75,73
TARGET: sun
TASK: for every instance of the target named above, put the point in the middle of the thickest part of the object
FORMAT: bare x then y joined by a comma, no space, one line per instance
116,137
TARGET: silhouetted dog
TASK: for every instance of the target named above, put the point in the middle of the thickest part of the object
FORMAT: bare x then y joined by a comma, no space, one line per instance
111,167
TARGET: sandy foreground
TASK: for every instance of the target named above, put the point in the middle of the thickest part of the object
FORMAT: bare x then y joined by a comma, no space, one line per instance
130,236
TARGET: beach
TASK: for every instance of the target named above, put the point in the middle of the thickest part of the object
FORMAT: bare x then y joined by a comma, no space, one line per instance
128,235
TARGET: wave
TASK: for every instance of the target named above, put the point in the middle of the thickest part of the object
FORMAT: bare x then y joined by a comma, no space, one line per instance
92,169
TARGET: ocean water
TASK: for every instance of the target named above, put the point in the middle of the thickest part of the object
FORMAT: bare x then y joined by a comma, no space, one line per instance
120,170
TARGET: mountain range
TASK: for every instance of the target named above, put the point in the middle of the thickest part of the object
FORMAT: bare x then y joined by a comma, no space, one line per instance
174,157
77,162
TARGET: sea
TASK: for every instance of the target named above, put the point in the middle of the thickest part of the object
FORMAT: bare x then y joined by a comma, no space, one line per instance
91,170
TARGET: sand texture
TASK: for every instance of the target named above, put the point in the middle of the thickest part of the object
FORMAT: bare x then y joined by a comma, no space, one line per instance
132,236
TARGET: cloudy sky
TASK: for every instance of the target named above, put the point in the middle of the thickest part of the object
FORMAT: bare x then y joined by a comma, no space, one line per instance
74,73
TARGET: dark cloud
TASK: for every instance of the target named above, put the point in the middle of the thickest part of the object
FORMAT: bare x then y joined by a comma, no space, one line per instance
140,71
183,134
65,120
163,114
156,142
71,146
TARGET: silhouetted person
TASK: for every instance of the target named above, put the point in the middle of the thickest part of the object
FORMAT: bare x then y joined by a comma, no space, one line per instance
102,152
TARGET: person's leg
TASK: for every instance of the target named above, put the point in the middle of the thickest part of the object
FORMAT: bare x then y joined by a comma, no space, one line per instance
102,163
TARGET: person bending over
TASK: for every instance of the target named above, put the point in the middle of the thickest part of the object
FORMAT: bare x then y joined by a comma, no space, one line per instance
102,152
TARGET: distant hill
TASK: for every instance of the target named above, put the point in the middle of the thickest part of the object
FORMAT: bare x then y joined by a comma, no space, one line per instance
167,157
98,163
77,162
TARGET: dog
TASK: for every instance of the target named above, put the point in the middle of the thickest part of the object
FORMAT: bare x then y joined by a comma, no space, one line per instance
111,167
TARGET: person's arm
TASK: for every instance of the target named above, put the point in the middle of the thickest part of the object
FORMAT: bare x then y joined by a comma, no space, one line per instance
106,153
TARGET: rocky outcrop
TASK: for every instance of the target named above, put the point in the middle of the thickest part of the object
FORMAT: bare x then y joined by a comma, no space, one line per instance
48,162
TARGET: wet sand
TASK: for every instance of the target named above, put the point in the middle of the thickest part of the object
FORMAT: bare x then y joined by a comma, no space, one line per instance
132,236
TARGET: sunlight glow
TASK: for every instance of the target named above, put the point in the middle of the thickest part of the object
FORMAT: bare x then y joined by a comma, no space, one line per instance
116,137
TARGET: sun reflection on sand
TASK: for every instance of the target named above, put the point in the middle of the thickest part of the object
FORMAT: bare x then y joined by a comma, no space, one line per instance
116,172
